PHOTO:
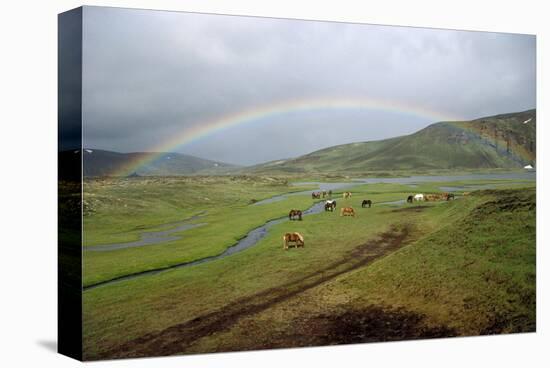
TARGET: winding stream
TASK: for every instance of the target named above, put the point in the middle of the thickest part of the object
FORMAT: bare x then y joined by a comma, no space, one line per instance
150,237
251,239
255,235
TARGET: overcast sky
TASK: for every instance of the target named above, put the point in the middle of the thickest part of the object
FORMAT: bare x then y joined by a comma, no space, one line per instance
149,75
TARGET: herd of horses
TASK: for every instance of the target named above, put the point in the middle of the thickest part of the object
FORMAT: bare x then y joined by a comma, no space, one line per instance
430,197
321,194
297,239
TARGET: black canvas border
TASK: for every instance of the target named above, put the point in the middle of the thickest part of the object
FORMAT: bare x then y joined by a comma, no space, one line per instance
69,322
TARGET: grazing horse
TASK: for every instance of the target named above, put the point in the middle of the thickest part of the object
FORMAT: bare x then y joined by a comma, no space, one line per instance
295,238
330,206
347,211
346,195
430,197
366,202
450,196
410,199
419,197
295,213
435,197
315,195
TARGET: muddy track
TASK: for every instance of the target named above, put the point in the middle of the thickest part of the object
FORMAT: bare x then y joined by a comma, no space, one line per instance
176,339
372,323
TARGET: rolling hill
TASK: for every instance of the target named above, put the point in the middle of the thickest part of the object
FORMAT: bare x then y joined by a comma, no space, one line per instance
104,163
501,141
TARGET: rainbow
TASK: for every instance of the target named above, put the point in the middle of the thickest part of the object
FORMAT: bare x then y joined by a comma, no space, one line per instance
262,113
517,150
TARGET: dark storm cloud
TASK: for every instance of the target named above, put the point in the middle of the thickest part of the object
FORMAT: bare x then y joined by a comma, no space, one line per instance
149,75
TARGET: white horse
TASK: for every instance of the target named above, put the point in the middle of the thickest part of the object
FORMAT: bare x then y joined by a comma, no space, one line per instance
419,197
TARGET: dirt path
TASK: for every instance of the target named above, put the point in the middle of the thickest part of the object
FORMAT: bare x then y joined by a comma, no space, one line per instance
178,338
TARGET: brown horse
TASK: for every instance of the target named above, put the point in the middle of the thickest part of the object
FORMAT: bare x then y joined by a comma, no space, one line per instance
330,193
410,199
435,197
295,238
324,193
366,202
450,196
347,211
316,195
295,213
346,195
429,197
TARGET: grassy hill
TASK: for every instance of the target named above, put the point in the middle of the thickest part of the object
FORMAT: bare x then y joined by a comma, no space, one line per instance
105,163
501,141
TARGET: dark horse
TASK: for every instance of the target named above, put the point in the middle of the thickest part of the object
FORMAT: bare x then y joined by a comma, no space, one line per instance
330,193
410,199
450,196
366,202
315,195
295,213
330,206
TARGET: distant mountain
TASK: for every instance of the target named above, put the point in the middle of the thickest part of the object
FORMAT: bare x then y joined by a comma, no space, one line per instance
501,141
106,163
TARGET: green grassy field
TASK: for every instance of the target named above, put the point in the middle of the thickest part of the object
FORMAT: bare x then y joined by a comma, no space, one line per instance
428,269
123,209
